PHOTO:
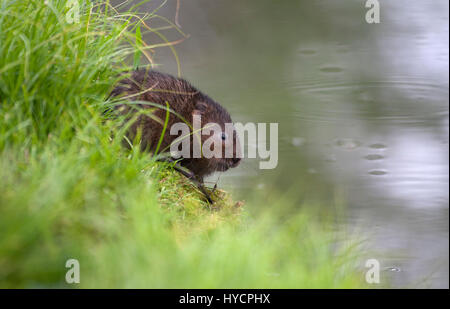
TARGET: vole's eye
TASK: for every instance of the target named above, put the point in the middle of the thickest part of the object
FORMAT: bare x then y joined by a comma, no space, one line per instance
224,136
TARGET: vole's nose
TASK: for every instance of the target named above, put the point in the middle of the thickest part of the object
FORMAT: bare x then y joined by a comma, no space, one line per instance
236,161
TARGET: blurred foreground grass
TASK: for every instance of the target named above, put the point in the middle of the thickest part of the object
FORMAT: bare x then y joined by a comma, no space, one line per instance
70,190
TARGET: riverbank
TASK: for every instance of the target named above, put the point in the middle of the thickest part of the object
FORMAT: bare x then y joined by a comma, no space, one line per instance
68,190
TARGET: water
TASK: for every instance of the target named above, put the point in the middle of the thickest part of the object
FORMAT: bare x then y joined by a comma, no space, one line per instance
362,108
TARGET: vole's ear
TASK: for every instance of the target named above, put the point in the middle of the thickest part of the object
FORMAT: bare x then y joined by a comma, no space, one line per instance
200,108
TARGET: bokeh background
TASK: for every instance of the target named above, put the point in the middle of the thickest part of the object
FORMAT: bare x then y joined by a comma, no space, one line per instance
363,111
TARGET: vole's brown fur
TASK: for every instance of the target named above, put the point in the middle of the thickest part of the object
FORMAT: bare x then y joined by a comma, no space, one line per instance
185,100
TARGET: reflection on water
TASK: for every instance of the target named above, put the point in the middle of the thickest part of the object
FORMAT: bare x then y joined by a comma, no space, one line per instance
363,108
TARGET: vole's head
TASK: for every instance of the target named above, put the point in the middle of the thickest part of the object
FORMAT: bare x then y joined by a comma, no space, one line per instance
219,139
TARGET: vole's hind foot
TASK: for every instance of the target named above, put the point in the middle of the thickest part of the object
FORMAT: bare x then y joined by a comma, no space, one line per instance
205,193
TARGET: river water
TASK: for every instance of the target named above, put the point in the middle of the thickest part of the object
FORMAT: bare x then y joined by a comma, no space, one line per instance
363,109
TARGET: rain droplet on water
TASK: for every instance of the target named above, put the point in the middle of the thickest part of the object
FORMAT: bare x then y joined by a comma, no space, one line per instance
378,146
347,143
372,157
377,172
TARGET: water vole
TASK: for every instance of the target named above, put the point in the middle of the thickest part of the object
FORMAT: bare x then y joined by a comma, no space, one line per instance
185,100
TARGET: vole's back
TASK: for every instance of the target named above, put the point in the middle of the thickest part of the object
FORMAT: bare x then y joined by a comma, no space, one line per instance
159,88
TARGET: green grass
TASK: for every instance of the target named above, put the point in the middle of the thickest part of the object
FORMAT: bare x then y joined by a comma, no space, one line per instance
70,190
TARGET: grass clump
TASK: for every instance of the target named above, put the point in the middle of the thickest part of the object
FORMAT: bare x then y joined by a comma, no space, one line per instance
68,190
